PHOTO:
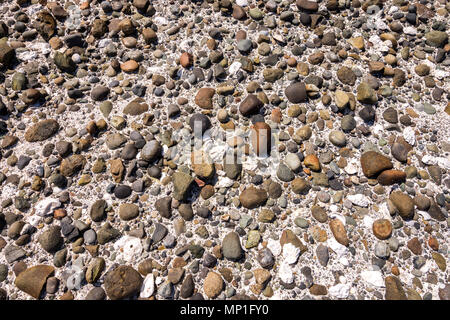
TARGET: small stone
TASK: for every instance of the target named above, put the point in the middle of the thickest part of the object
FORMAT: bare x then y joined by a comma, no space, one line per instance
382,229
339,232
213,285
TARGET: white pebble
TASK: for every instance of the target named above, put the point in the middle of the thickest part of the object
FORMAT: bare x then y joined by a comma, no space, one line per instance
340,291
410,31
234,67
148,286
285,273
274,246
337,247
45,207
242,3
374,278
409,136
359,200
131,247
290,253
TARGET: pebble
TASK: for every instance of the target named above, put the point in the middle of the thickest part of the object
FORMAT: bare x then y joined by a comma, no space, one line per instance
342,134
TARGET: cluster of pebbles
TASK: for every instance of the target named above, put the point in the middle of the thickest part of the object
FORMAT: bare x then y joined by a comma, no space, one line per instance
115,117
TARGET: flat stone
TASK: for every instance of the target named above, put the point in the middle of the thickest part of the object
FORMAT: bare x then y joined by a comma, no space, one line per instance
33,279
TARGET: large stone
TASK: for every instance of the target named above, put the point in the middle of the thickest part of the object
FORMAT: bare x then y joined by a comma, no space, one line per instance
136,107
307,5
346,76
389,177
372,163
7,54
202,164
51,239
253,197
128,211
181,183
42,130
394,289
250,105
199,123
98,210
204,98
151,150
366,94
403,203
33,279
123,282
300,186
296,92
71,165
339,232
272,74
435,212
99,93
382,229
64,62
231,246
436,38
213,285
164,206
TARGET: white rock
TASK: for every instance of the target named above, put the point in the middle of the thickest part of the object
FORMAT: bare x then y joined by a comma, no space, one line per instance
380,45
242,3
130,247
334,208
293,161
234,67
409,136
424,214
339,291
374,278
285,273
441,74
148,286
352,167
27,55
274,246
359,200
378,129
337,247
410,31
224,182
34,220
440,161
381,25
46,206
104,42
344,261
160,20
393,9
428,265
290,253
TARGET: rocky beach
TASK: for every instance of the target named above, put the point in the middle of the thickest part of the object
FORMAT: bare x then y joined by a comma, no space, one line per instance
224,150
